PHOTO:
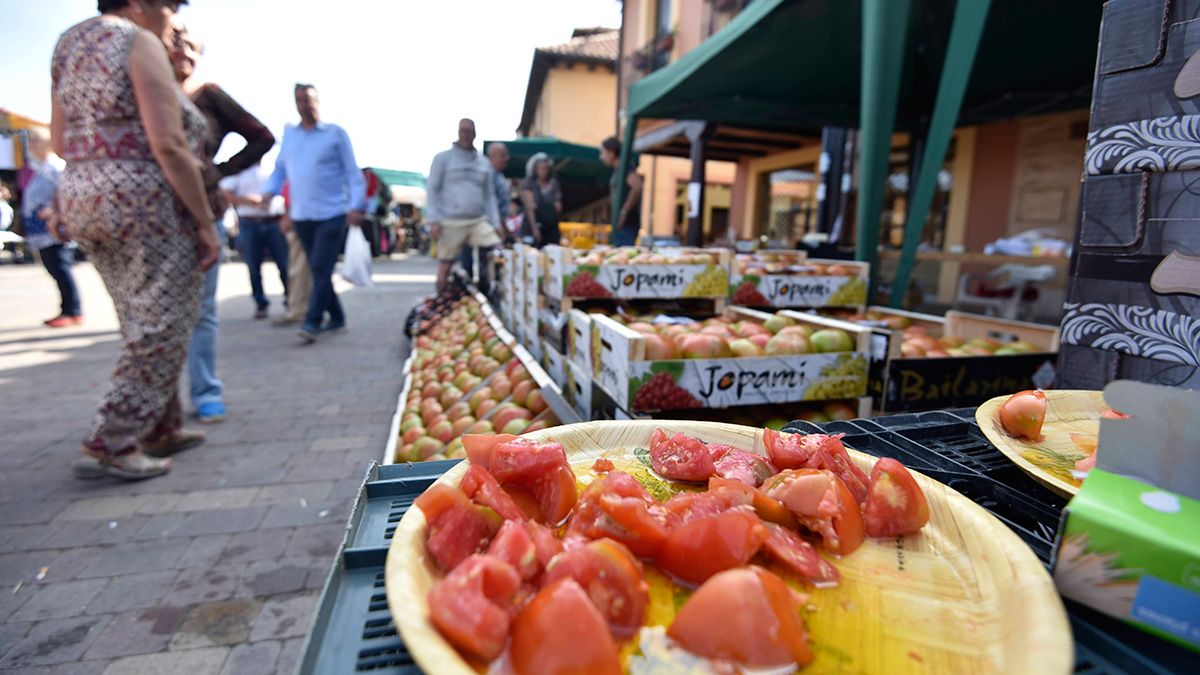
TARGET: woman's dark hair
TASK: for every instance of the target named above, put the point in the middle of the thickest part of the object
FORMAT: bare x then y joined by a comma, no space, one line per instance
612,145
106,6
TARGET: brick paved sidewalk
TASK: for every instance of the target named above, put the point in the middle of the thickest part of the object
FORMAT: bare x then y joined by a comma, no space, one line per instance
216,567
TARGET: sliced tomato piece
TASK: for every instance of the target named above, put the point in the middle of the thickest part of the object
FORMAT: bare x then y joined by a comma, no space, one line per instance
612,578
438,498
525,462
740,465
822,504
602,465
699,549
524,501
786,451
618,507
479,447
469,606
685,507
544,542
748,616
560,632
460,531
816,451
798,556
556,494
483,489
896,505
513,545
1086,464
769,510
1114,415
680,457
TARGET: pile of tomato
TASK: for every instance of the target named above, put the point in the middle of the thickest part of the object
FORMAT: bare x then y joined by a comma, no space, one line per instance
548,579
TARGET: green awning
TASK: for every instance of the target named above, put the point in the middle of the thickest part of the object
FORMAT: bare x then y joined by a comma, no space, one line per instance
394,178
795,65
583,177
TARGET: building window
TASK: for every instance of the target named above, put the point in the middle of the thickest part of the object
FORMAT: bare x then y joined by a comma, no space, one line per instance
896,199
789,204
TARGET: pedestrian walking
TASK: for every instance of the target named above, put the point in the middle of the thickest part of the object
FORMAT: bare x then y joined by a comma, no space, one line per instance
133,196
43,230
224,116
461,201
326,191
629,218
258,231
299,285
498,157
542,198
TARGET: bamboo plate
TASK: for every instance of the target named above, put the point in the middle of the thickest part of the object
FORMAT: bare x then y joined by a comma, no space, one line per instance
966,595
1050,460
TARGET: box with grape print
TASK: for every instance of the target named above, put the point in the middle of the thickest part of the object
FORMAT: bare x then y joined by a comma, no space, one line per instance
742,357
788,279
631,273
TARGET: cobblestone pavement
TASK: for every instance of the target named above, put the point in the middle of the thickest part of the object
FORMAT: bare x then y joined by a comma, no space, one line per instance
216,567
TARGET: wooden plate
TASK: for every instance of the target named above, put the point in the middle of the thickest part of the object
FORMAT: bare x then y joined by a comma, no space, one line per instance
966,595
1051,459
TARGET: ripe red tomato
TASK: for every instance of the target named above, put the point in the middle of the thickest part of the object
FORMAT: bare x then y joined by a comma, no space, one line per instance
618,507
688,506
479,447
544,542
525,462
438,498
699,549
680,457
798,556
469,606
612,578
1023,414
816,451
895,503
769,510
561,632
602,465
513,545
484,490
821,503
740,465
460,531
556,494
748,616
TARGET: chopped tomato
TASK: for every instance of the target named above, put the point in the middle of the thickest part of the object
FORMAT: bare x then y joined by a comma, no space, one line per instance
821,503
438,498
612,578
513,545
561,632
680,457
524,501
460,531
484,490
797,556
602,465
1114,415
479,447
768,509
816,451
740,465
748,616
556,493
699,549
1086,464
618,507
895,503
688,506
469,606
525,462
1023,414
544,542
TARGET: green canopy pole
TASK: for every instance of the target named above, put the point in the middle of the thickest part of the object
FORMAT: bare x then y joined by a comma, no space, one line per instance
622,170
969,18
884,30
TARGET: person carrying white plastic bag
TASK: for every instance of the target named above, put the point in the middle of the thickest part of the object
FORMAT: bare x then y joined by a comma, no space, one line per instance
356,258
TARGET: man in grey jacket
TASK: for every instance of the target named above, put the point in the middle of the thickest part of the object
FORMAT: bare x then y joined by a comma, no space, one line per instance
460,201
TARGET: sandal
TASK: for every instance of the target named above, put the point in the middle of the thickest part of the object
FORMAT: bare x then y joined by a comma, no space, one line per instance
179,441
128,467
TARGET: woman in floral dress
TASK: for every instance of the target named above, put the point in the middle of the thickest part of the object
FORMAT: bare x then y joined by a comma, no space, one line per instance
132,195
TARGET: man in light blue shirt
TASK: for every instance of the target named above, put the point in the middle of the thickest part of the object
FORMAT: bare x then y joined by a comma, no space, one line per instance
325,191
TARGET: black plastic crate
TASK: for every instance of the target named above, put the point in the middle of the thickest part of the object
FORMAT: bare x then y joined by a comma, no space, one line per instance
353,632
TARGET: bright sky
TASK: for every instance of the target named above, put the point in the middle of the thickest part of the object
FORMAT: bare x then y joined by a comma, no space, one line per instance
396,74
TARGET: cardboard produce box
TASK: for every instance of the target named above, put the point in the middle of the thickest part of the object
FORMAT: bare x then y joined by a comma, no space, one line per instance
579,339
620,367
578,390
665,273
783,279
555,363
1129,541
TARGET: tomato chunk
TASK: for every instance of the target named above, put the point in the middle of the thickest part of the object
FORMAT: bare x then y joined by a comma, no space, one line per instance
618,507
680,457
484,490
513,545
438,498
748,616
545,543
556,494
740,465
688,506
816,451
561,632
479,447
699,549
798,556
525,462
895,503
768,509
612,578
602,465
821,503
1023,414
469,606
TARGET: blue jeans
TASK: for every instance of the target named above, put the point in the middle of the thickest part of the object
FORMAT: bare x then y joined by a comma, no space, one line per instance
322,241
203,383
58,261
258,236
467,260
625,236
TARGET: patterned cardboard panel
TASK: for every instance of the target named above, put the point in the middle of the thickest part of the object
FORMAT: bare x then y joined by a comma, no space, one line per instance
1090,368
